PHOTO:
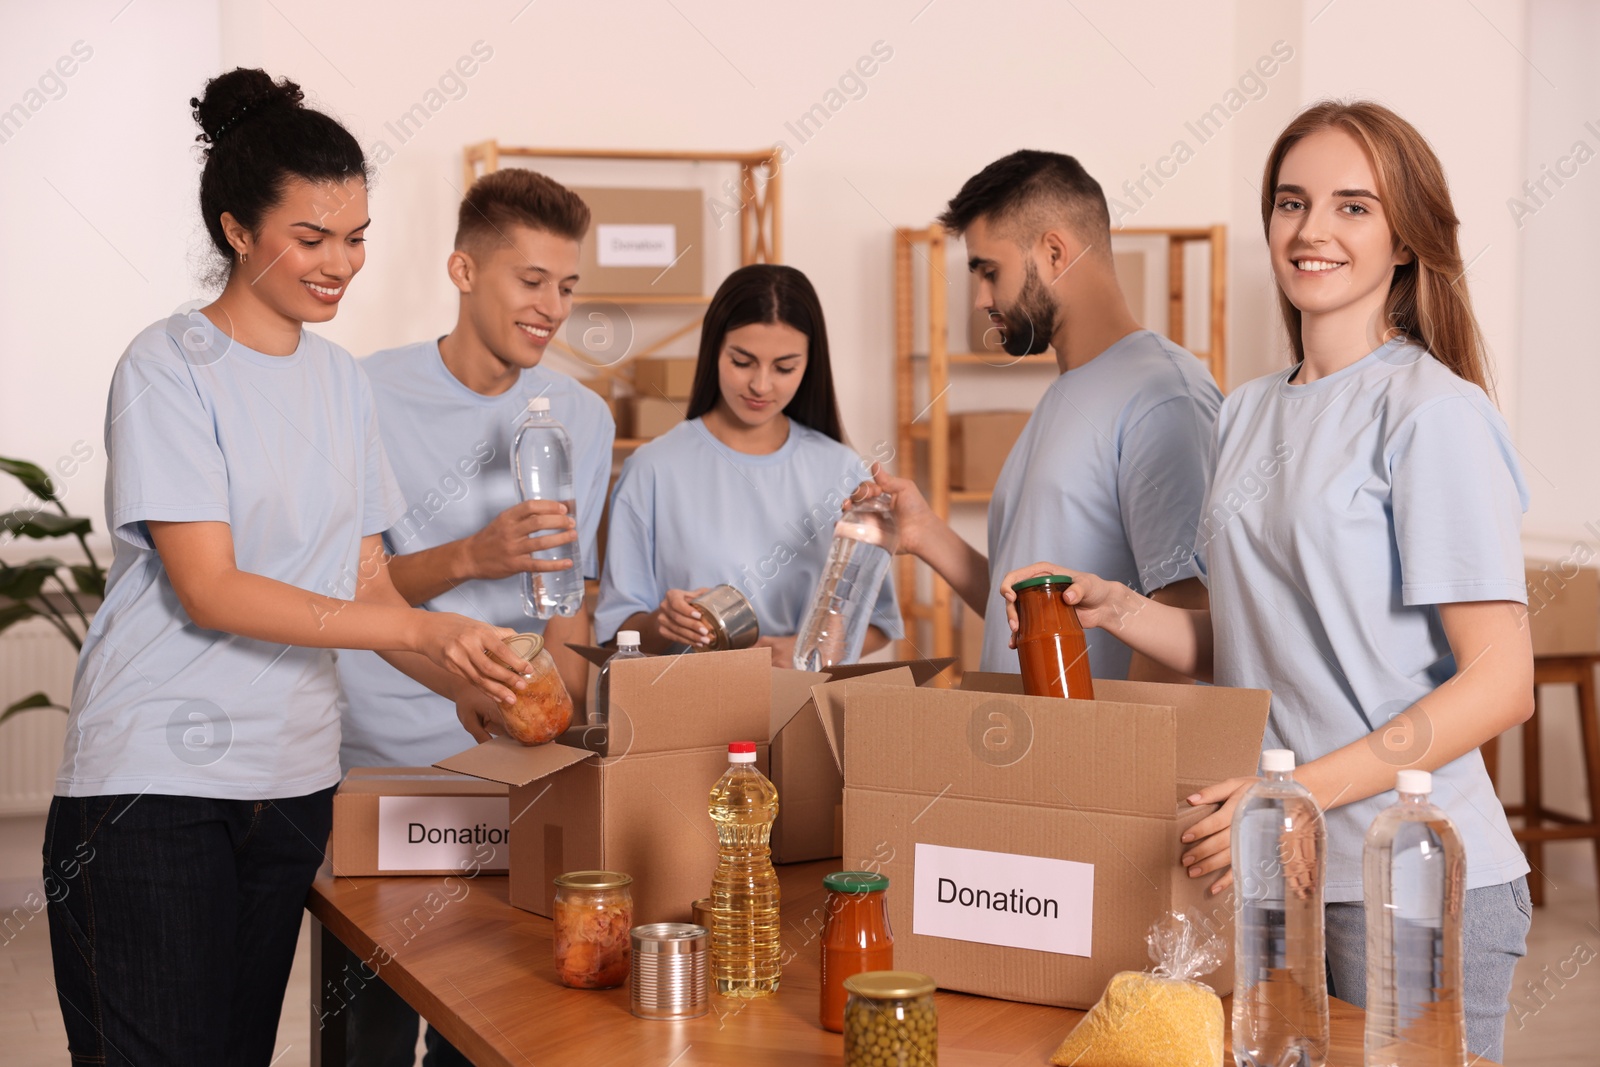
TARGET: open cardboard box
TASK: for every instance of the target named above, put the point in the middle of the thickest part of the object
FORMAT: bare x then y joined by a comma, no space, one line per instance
417,820
1031,842
631,797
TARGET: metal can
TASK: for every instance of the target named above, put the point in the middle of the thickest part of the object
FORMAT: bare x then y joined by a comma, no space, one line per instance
730,618
669,971
593,911
890,1020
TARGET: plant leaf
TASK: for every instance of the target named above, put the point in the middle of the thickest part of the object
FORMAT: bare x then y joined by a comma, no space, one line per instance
32,700
89,579
31,475
23,522
22,582
11,614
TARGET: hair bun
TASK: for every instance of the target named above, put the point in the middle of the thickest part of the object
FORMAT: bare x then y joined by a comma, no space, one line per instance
240,93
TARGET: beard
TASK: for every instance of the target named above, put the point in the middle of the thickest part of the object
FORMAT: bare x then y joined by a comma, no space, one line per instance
1030,322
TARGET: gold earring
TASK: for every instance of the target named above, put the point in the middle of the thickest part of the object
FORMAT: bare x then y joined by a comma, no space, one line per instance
243,257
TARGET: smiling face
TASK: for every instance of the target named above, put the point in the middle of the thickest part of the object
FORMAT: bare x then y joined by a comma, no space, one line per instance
1332,250
308,247
517,291
759,370
1010,291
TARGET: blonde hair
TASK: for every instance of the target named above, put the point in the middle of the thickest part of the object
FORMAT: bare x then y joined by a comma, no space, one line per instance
1428,299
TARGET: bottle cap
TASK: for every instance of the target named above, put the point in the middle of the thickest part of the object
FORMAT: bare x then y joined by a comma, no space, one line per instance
1062,580
854,882
1277,761
1419,782
628,637
742,752
539,403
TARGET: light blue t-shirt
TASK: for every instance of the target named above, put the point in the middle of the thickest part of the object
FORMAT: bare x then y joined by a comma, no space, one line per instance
689,511
451,450
286,450
1341,514
1107,478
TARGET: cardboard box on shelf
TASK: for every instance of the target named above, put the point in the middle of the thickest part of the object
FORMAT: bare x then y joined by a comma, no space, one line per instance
980,441
1031,842
1563,608
418,820
643,242
671,377
651,416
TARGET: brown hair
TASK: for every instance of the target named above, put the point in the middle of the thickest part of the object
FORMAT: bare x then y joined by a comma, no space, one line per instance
517,196
1427,299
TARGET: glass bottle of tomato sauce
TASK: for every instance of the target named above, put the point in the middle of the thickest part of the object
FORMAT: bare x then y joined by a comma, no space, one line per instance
1050,643
855,939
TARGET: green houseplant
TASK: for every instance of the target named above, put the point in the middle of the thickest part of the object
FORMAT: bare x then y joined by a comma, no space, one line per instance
36,588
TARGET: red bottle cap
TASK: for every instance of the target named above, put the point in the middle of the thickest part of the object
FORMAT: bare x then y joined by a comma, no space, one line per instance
741,746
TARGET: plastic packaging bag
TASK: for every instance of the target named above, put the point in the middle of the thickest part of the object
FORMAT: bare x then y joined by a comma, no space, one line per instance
1164,1016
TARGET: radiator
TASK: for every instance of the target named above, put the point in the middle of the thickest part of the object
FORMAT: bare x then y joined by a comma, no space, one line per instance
33,657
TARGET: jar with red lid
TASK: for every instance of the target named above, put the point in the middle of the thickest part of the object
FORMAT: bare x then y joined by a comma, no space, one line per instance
1051,646
856,938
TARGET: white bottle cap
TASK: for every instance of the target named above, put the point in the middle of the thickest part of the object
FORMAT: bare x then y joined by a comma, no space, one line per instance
1277,761
628,637
1415,782
539,403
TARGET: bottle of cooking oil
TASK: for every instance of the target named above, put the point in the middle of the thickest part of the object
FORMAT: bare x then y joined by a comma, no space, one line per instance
745,934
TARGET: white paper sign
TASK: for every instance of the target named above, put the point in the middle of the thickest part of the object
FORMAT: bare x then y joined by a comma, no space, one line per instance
443,833
1000,898
636,245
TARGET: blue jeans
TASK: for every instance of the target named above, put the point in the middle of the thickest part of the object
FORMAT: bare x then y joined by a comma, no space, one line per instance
1495,920
381,1028
173,922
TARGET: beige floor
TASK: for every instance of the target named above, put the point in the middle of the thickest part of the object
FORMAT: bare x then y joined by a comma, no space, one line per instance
1560,1025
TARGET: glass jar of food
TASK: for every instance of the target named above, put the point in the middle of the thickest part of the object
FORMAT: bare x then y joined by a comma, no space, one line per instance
730,617
890,1020
1050,643
593,914
855,939
543,710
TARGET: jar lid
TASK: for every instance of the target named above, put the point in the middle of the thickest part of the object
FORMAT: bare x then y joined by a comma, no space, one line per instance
527,646
854,882
593,880
1043,579
889,985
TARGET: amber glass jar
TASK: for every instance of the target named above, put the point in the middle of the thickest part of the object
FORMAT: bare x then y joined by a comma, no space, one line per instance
543,710
593,913
890,1021
856,938
1050,642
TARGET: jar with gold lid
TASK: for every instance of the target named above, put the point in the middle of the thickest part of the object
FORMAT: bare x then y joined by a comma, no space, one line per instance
593,914
890,1020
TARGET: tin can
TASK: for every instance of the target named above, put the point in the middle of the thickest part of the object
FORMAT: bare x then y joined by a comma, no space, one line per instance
669,971
730,618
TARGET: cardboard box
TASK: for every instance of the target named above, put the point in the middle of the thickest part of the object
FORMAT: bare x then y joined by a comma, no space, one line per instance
810,788
650,416
980,441
632,797
1076,805
418,820
1563,608
643,242
671,378
983,336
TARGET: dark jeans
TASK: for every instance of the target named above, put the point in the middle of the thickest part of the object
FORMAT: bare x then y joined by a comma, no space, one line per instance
173,922
381,1028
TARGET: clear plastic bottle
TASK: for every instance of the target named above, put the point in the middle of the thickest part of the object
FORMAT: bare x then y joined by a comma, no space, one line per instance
746,942
835,626
1414,873
627,648
541,459
1280,989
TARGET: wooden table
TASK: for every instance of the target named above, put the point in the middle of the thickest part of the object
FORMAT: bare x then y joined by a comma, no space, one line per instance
483,973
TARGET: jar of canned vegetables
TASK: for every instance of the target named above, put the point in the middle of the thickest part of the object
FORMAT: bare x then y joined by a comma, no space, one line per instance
593,913
890,1020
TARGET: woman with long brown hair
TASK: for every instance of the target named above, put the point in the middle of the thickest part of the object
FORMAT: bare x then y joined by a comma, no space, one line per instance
746,491
1361,539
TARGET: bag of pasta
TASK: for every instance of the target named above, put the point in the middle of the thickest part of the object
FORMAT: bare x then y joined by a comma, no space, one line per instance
1165,1016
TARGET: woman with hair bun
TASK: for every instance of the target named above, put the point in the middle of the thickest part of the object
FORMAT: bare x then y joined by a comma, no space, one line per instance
246,493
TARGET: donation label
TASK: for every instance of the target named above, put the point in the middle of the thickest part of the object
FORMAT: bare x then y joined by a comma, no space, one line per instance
1001,898
636,244
443,833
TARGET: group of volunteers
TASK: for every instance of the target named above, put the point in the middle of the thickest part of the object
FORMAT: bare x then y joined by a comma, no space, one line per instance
1344,532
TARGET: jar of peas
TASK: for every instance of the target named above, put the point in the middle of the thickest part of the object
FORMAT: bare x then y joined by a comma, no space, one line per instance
890,1020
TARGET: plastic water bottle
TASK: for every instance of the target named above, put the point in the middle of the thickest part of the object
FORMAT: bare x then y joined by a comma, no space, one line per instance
1280,989
1414,872
627,648
835,625
541,458
746,944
